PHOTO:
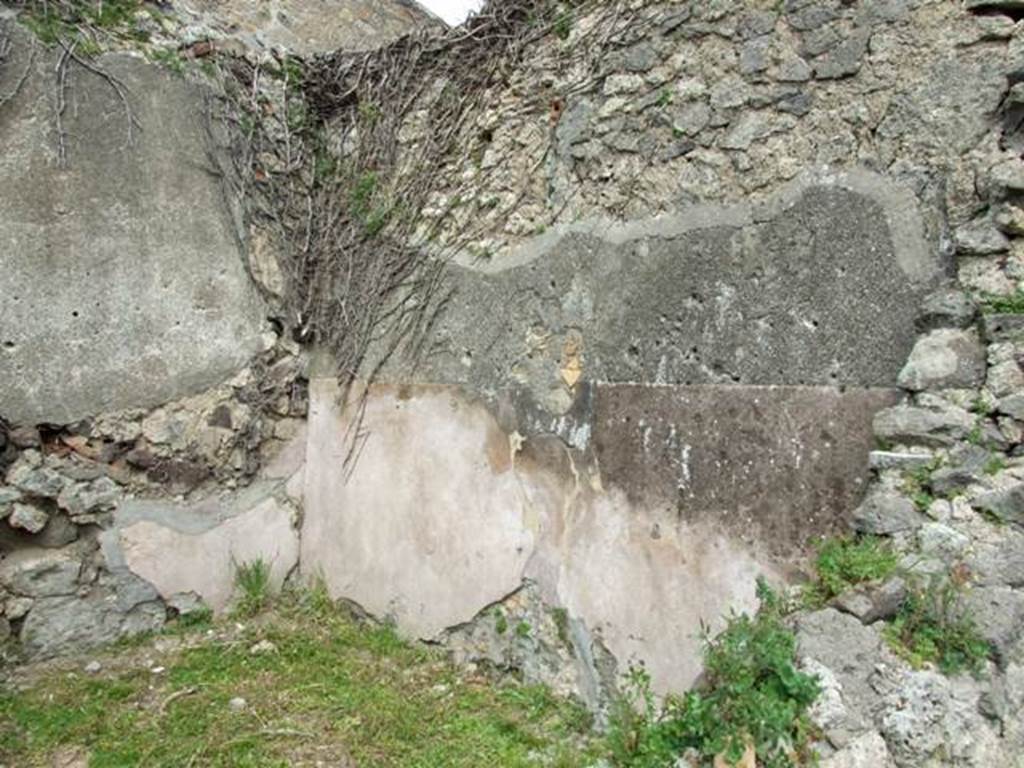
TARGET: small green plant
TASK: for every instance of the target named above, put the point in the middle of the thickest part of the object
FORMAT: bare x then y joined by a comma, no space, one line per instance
992,304
981,406
845,562
500,622
934,626
917,484
753,695
995,464
252,587
976,435
665,97
168,59
523,629
563,25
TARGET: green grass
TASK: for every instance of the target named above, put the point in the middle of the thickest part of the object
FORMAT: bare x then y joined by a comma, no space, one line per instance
80,21
1003,305
753,694
252,587
934,627
917,484
844,562
332,689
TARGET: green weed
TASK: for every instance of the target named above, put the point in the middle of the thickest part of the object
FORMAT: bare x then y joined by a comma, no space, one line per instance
752,694
1003,305
933,626
845,562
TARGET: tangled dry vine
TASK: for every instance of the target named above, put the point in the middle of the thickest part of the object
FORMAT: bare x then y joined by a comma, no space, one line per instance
349,159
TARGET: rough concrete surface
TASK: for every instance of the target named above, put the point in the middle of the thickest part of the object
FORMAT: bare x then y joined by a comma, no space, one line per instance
121,279
818,286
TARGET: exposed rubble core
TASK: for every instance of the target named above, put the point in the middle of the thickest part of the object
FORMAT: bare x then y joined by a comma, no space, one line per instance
714,281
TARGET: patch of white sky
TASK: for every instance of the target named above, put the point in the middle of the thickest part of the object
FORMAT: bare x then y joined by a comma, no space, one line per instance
454,12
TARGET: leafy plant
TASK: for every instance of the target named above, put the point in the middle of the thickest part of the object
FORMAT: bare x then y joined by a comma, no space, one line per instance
752,695
252,587
995,464
845,562
934,626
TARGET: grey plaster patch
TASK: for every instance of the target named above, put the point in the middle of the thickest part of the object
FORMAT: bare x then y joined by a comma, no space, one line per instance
817,287
122,279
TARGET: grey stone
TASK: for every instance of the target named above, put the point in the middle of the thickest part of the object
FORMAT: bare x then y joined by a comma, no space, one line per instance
793,70
17,607
92,668
640,58
750,127
143,308
186,604
873,602
1006,504
999,563
946,358
810,16
35,480
886,512
879,460
58,625
946,308
964,466
100,495
998,613
1009,219
865,751
798,103
940,541
996,328
690,118
995,5
980,238
28,517
1005,378
929,427
1003,180
59,532
756,23
237,704
920,719
40,573
754,56
1012,405
845,59
851,650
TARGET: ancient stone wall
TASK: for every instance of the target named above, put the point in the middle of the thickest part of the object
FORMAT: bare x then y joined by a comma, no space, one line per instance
728,301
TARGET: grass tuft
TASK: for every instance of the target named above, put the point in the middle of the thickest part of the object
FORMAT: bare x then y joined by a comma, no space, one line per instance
252,587
845,562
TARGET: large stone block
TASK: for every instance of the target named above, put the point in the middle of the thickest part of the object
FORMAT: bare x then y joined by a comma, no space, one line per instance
121,275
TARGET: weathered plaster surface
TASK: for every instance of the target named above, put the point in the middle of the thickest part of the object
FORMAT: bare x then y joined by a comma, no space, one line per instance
122,281
179,548
444,513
